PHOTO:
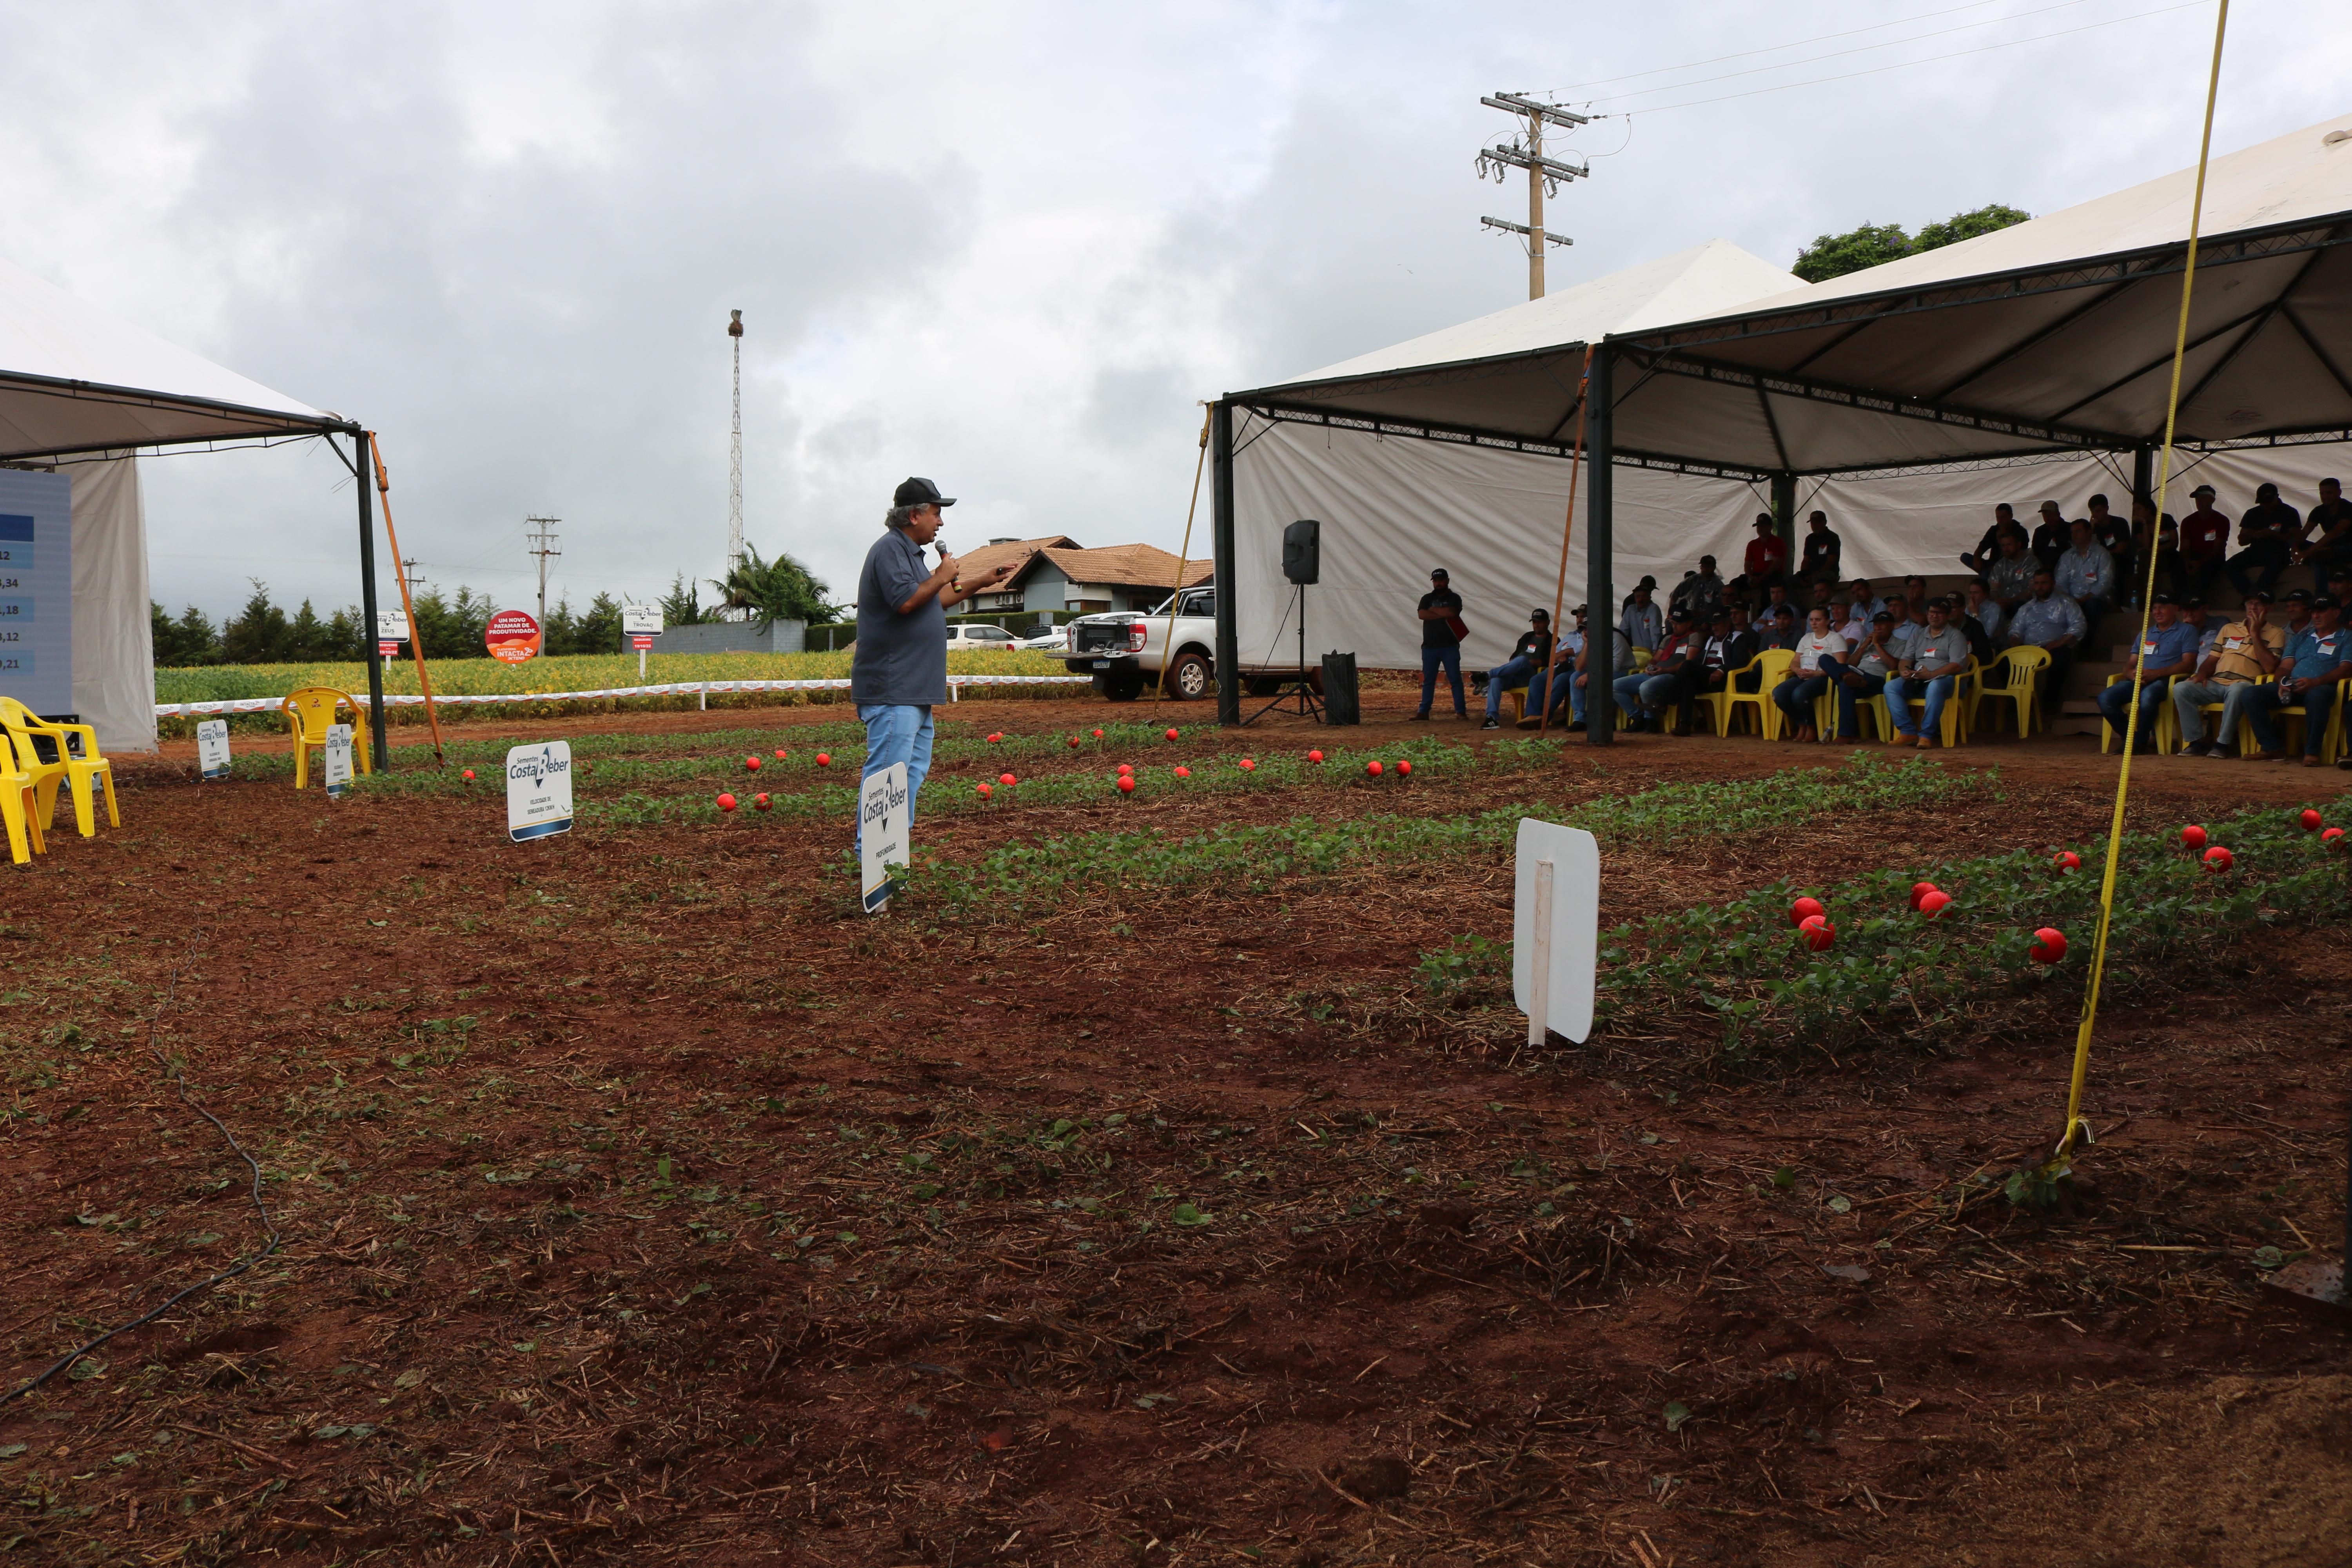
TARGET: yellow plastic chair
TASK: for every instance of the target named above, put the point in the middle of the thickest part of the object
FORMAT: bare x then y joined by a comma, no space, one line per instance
77,764
2013,679
1953,723
1868,713
18,812
2331,745
2168,722
1772,666
311,712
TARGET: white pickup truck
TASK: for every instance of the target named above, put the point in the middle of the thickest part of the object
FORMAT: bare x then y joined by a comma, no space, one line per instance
1125,651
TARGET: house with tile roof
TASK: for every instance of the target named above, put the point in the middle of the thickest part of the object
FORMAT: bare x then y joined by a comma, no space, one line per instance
1055,577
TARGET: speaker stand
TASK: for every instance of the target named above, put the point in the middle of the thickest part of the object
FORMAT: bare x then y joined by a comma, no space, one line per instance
1295,696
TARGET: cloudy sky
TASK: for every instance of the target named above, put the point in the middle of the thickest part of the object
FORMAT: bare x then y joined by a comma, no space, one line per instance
1005,245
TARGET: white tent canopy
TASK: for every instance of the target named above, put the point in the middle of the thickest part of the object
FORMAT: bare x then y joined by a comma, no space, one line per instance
2045,343
82,391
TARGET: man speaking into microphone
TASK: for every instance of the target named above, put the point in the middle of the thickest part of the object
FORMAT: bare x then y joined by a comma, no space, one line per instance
900,668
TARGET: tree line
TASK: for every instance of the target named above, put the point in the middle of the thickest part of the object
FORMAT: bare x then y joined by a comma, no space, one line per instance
1875,244
451,626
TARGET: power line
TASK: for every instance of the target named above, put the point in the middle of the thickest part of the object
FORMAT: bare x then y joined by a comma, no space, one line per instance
1818,39
1931,59
1833,55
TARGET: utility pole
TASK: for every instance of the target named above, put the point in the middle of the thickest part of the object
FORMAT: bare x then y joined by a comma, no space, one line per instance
545,546
1544,174
412,577
735,453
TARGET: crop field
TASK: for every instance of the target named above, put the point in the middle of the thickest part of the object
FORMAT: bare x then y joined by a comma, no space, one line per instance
1165,1178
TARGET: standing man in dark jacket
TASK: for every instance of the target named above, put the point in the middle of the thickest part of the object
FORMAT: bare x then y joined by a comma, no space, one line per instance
900,668
1440,642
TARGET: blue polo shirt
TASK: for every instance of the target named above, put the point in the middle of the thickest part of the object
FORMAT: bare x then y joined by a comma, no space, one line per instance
2165,646
2312,652
901,659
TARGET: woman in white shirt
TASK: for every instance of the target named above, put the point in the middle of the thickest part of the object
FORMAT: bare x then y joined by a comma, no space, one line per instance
1807,679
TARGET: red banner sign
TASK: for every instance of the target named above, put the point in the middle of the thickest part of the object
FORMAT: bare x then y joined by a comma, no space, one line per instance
387,648
641,644
512,636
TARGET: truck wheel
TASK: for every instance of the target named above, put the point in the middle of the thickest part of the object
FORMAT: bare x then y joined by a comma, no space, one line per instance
1190,679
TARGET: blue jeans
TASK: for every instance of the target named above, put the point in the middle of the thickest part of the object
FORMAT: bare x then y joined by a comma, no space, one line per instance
1540,694
2318,705
1849,698
1899,693
1499,678
897,733
2112,701
1448,658
1639,692
1796,695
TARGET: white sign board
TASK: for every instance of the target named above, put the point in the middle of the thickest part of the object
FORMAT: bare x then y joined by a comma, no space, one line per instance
641,620
212,749
392,626
339,761
882,818
538,790
1555,928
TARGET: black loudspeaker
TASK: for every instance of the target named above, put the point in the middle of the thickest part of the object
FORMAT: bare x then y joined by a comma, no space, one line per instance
1302,550
1340,703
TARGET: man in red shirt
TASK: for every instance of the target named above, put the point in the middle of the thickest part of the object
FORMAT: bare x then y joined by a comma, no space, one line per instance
2204,543
1767,559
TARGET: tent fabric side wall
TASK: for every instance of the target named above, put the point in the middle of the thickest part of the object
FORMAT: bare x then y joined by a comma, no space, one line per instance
1393,507
114,643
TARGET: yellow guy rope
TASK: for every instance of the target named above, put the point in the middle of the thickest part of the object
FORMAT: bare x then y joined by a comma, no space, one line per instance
2075,1124
1567,530
1167,652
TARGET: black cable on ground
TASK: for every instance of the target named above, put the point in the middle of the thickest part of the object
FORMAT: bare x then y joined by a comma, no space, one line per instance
180,1084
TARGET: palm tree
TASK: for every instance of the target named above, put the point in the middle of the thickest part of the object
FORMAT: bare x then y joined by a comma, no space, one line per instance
778,590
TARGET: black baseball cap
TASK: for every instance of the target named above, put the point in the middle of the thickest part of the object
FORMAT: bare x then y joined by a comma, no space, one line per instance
2302,593
2325,601
2201,490
2262,596
1538,614
1882,616
1681,612
1784,612
2164,599
919,492
2192,603
1437,575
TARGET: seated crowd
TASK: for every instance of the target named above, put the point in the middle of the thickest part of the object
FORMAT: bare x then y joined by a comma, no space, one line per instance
2046,589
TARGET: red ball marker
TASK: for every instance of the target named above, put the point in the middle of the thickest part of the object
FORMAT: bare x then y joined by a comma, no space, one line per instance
2310,820
1818,933
1405,769
1127,783
1920,890
1183,772
469,775
1314,756
1126,767
1248,766
986,790
1373,768
1804,909
2049,945
1098,734
726,803
1005,779
2066,860
2217,860
825,758
2193,837
1074,742
750,765
998,736
781,753
1171,734
1935,903
2333,837
759,803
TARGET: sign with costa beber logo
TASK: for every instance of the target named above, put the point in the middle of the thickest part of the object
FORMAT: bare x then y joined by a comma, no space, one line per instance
512,636
538,790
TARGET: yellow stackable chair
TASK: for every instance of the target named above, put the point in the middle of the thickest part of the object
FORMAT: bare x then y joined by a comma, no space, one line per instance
78,765
1954,721
2168,722
2013,678
1771,668
311,712
18,812
2331,745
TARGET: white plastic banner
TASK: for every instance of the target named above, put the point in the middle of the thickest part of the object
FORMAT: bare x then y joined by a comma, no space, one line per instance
212,749
956,683
538,790
882,817
339,761
1555,928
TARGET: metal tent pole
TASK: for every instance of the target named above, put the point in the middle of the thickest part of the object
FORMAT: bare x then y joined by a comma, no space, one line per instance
1600,544
1221,531
367,599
